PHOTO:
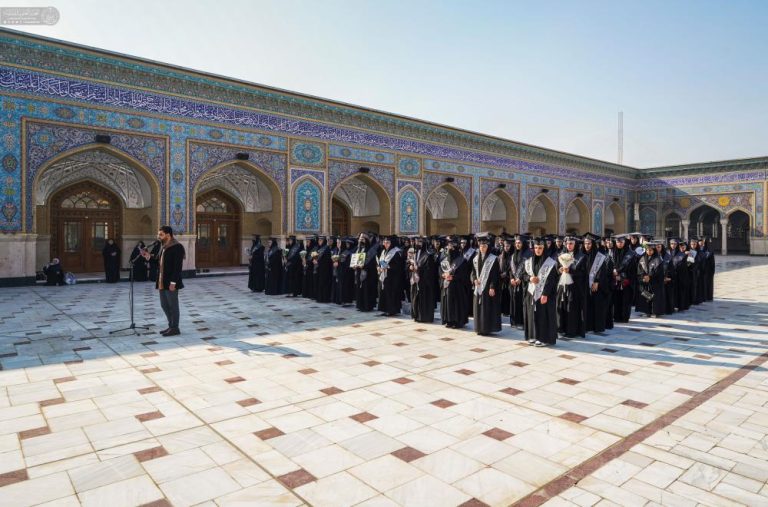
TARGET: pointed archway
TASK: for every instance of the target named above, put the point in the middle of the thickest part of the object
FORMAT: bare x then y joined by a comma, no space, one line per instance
83,217
447,211
739,232
542,216
577,217
673,226
217,221
499,214
615,219
705,222
363,203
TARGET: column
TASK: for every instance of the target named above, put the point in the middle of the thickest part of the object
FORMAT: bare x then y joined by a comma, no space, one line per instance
685,223
724,237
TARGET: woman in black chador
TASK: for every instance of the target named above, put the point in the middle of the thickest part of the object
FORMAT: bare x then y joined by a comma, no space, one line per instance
598,288
422,273
708,271
390,269
695,269
293,267
323,270
485,282
366,277
111,254
624,273
139,263
541,313
683,277
504,258
274,268
256,265
308,276
650,276
517,286
571,290
344,283
454,273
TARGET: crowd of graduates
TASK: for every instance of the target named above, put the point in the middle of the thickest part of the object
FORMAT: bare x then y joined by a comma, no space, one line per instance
546,286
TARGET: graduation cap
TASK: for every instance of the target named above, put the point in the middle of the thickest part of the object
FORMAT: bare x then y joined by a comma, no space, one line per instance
539,240
591,237
670,240
484,237
452,240
508,239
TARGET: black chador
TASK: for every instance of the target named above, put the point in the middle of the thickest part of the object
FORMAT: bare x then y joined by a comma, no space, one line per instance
366,277
422,270
293,267
540,306
517,285
111,254
437,252
390,269
139,263
695,269
469,252
650,276
625,272
571,291
256,268
598,287
708,271
273,264
345,277
670,277
308,275
504,259
454,304
682,276
322,271
486,297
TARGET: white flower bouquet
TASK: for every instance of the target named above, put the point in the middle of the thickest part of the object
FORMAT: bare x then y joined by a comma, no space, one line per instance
566,260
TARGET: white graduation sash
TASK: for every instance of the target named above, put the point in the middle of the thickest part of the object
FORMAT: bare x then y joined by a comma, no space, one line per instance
485,273
535,289
469,253
387,258
599,259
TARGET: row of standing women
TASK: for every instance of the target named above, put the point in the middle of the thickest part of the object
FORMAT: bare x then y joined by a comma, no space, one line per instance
545,286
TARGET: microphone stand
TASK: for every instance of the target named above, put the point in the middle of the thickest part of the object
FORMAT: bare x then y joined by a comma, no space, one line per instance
133,327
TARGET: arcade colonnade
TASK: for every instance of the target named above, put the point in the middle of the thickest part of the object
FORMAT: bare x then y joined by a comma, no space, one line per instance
97,145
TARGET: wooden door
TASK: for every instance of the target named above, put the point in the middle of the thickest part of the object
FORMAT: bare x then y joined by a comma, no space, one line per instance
218,231
339,219
83,217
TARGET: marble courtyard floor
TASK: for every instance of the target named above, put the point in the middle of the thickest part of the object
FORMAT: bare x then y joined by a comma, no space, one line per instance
273,401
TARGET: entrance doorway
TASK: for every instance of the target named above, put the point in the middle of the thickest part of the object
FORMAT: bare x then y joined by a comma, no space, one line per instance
218,230
83,217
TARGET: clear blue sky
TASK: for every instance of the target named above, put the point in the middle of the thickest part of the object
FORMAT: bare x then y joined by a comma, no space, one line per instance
690,76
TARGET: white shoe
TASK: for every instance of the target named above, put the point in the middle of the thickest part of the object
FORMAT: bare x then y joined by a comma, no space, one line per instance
537,343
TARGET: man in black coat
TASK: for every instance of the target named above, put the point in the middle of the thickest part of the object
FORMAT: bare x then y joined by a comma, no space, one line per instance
169,277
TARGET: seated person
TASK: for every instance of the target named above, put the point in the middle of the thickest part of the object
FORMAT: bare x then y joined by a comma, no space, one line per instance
54,275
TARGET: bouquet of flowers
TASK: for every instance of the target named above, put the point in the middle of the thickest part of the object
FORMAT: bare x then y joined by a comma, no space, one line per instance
303,254
335,258
285,252
691,256
566,260
314,255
